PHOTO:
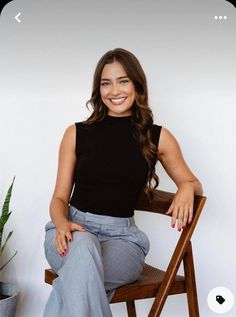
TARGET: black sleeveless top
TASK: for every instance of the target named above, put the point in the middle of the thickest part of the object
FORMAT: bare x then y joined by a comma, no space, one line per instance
110,170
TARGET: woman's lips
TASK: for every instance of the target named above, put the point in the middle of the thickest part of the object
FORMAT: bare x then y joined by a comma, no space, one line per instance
117,101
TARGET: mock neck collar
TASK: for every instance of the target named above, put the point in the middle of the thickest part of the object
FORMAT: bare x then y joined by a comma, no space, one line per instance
116,118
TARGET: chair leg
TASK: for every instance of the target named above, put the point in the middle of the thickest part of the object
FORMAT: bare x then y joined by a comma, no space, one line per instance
190,282
131,308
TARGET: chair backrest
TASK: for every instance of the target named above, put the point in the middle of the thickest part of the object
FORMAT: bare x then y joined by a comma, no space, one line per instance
162,201
160,204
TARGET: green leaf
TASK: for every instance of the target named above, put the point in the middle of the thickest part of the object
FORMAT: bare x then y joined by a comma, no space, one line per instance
4,244
3,220
5,208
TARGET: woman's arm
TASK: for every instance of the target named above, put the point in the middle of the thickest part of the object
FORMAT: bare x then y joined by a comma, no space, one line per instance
62,191
188,185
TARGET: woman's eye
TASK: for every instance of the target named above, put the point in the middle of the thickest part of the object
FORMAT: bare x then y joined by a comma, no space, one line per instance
122,82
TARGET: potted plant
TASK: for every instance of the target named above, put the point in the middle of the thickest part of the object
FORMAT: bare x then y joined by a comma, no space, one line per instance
8,292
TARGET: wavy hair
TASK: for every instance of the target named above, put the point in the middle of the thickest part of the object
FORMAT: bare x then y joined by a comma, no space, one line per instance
142,116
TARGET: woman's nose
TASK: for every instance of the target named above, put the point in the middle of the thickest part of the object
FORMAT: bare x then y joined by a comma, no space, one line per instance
114,89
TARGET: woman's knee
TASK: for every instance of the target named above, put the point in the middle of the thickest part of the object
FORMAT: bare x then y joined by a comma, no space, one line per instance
83,241
54,259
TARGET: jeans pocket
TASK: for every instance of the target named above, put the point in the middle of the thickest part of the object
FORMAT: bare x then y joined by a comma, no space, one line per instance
71,212
49,225
75,215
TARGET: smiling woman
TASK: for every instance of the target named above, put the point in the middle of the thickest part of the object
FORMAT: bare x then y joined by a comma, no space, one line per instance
105,162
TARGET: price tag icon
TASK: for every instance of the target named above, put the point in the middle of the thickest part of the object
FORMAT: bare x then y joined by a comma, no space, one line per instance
220,300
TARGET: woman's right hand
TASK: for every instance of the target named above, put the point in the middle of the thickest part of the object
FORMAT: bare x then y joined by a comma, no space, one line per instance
64,234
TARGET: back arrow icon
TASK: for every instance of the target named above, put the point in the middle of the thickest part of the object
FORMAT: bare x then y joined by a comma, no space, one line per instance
17,17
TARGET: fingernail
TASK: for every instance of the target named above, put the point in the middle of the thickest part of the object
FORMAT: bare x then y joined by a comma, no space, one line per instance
70,240
173,226
179,229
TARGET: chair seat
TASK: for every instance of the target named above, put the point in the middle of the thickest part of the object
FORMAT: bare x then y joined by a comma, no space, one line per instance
145,287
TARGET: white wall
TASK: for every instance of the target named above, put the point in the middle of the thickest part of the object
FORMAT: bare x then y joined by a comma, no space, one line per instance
46,69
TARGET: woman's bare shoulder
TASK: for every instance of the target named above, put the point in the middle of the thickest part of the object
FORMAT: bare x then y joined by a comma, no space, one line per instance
70,129
165,133
69,135
167,141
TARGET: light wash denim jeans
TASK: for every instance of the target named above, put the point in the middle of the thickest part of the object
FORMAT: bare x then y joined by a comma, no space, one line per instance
110,253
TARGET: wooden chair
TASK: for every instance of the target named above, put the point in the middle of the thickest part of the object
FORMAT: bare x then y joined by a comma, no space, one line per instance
154,283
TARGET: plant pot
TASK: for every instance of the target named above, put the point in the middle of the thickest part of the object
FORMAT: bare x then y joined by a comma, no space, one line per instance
8,299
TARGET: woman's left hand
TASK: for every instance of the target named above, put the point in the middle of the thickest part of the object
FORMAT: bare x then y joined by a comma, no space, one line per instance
181,208
172,160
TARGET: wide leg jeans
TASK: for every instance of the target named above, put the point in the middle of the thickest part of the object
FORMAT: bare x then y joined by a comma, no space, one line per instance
110,253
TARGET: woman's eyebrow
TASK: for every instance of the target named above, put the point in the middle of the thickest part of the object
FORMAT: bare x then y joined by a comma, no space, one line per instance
116,78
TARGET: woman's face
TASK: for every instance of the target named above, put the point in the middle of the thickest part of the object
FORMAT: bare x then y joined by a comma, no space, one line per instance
117,90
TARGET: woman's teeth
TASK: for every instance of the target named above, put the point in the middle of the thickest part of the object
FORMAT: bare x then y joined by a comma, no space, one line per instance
118,101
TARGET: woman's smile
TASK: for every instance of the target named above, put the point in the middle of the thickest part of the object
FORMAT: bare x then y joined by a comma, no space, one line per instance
117,101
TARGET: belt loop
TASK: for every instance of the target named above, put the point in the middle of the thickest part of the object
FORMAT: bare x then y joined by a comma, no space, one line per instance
129,222
132,222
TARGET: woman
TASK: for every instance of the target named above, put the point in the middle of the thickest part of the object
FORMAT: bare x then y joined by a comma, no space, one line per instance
104,163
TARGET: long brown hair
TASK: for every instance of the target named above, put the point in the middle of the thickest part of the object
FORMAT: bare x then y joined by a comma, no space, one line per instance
142,116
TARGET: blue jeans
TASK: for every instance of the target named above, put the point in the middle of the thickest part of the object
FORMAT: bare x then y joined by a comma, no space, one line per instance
110,253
